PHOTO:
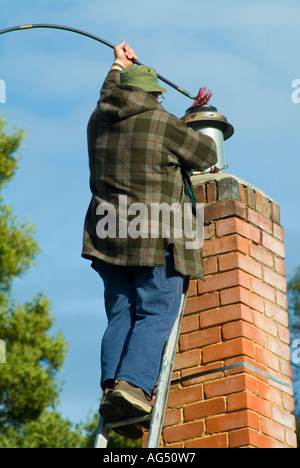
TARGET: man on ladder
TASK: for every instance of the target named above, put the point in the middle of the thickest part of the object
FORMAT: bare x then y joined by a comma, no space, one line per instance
133,233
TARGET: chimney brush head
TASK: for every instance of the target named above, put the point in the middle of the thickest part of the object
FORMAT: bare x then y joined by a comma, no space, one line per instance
208,116
202,97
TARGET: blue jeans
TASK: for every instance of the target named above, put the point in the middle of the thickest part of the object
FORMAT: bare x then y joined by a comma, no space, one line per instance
142,304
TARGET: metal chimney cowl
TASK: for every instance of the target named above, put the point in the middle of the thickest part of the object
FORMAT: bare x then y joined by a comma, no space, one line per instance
207,120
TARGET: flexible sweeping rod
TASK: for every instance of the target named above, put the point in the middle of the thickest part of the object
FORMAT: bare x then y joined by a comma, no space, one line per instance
91,36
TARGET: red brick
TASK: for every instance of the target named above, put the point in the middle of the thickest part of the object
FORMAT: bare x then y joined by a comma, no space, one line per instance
230,385
291,438
224,209
260,221
285,368
225,314
288,402
279,348
192,291
210,265
242,194
246,400
185,395
244,329
204,409
276,313
281,299
269,393
183,431
263,205
144,439
199,191
275,211
225,244
237,347
237,260
273,244
274,279
249,437
263,289
278,232
236,225
175,378
203,302
173,416
215,441
225,280
188,359
189,323
211,192
232,421
258,202
264,323
267,358
200,338
250,197
209,231
261,254
279,266
272,429
239,294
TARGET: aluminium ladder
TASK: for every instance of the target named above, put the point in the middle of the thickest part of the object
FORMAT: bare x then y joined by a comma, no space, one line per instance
157,415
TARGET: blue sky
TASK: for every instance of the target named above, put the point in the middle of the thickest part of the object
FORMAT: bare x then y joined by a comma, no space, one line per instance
245,51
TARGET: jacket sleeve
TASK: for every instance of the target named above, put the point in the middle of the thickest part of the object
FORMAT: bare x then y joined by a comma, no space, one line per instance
193,149
112,78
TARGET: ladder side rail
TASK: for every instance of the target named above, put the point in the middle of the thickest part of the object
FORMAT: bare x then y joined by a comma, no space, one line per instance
102,435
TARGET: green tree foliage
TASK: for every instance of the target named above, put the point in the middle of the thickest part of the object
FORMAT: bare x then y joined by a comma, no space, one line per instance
294,319
294,325
49,430
117,441
294,299
17,248
27,384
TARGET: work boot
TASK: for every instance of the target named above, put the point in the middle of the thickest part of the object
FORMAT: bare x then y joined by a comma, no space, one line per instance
130,401
107,411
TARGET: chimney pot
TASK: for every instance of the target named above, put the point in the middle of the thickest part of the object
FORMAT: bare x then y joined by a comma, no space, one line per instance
207,120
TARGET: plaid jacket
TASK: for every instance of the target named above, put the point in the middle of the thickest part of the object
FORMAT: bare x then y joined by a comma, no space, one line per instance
137,152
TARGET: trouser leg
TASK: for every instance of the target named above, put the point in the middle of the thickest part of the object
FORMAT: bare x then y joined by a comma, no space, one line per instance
158,298
142,304
119,297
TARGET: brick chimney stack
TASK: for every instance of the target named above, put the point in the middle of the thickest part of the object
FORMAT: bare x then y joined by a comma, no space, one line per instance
232,376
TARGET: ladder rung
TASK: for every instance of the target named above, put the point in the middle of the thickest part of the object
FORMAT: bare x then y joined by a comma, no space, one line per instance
126,422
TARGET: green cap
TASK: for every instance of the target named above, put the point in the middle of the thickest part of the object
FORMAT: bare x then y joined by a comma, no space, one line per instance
142,77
